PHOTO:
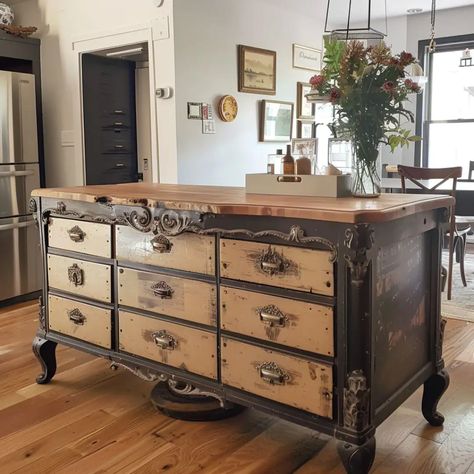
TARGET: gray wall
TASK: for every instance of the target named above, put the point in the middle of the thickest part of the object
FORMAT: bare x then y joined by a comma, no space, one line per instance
207,33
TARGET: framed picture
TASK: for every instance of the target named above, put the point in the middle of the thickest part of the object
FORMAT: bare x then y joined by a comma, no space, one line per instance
304,146
305,129
257,70
276,121
304,110
194,110
308,58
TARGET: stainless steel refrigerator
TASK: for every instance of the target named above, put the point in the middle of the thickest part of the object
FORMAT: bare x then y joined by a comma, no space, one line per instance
20,264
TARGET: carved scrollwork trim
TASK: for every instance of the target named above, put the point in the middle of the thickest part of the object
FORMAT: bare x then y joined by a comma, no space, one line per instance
41,314
356,401
359,240
439,345
170,223
76,275
187,390
145,374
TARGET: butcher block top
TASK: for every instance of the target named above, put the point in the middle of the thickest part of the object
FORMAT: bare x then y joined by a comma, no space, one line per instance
233,200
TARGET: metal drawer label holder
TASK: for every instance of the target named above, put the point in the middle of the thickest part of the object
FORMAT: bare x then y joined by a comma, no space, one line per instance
272,373
76,275
76,234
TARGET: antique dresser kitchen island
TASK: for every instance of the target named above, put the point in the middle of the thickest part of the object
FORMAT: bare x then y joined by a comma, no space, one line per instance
322,311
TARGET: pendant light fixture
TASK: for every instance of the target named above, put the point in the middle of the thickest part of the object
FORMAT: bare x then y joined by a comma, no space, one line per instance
354,19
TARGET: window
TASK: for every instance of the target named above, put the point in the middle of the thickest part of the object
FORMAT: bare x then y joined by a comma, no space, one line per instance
448,119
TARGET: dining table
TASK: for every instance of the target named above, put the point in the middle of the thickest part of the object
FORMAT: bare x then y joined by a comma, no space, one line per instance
464,191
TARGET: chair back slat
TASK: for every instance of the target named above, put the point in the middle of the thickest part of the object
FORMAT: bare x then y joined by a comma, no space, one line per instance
415,174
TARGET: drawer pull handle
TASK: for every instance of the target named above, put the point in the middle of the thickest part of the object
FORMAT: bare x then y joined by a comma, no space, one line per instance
271,373
76,317
76,275
162,289
271,262
119,147
161,244
118,124
272,316
118,111
164,340
76,234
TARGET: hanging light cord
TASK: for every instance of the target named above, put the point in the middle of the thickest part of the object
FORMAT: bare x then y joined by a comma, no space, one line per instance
432,45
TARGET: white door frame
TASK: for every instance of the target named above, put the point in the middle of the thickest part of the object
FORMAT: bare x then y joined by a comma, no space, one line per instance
113,39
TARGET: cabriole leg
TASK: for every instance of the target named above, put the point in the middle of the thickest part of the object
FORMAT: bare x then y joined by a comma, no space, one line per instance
357,459
434,388
45,352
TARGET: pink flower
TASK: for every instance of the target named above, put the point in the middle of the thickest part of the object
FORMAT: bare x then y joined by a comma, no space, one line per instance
406,58
412,86
317,81
389,87
334,95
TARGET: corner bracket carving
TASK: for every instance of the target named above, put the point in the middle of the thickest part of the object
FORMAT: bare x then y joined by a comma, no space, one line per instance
359,240
356,401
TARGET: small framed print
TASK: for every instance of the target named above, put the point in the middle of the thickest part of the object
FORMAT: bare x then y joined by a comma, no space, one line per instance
304,146
276,121
304,110
308,58
257,70
305,129
194,110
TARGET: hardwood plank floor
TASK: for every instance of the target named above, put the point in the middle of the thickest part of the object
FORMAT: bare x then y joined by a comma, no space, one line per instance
93,420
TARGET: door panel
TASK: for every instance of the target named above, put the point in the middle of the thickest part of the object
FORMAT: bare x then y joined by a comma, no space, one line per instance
16,184
109,120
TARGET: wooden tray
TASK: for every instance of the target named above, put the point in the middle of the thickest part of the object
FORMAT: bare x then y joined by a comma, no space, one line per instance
299,185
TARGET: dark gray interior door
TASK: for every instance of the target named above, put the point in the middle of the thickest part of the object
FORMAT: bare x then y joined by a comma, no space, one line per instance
110,134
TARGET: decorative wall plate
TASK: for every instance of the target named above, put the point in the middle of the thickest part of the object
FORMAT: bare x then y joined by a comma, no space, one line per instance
228,108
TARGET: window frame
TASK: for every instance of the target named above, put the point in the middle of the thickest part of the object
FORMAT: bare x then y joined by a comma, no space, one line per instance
423,101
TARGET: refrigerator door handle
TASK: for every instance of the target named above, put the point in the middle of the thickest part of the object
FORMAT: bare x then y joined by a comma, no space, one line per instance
8,174
17,225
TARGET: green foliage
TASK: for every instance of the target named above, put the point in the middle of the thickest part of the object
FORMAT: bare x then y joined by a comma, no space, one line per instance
333,53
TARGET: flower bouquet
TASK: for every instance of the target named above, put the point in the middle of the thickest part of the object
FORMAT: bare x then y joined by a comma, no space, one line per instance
368,87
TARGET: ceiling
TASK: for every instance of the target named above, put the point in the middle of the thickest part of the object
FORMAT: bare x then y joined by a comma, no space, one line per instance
400,7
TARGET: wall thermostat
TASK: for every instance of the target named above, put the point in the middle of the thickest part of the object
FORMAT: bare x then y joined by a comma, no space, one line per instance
164,93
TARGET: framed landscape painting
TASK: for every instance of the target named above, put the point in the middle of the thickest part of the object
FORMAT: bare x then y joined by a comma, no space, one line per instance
257,70
276,121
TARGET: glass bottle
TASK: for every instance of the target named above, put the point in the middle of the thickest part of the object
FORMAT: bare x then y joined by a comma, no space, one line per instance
288,162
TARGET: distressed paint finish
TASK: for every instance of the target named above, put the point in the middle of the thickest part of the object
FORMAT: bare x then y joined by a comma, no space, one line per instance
308,385
306,326
299,269
191,300
193,351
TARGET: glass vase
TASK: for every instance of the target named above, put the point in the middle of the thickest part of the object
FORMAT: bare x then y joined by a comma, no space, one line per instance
366,175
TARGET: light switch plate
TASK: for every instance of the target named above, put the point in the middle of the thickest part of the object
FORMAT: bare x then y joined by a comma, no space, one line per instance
161,29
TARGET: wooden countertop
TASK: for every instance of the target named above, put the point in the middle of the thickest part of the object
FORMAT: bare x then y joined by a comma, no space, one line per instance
231,200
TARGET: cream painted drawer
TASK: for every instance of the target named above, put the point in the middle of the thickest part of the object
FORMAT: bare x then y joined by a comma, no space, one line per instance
189,252
82,321
80,236
178,297
278,265
292,323
270,374
88,279
172,344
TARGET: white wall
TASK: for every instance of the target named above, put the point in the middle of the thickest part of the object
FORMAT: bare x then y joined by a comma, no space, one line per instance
207,33
61,22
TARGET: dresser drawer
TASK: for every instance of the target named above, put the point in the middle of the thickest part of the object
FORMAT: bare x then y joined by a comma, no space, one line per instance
278,265
80,236
286,379
88,279
172,296
79,320
189,252
292,323
172,344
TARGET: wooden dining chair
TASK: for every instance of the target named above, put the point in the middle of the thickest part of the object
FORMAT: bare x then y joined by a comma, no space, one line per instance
457,233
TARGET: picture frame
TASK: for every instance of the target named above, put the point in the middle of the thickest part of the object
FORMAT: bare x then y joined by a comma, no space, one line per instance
305,129
305,110
305,57
194,110
304,146
276,121
257,70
